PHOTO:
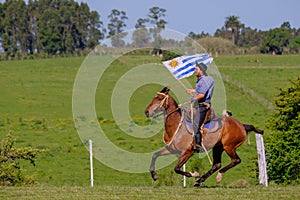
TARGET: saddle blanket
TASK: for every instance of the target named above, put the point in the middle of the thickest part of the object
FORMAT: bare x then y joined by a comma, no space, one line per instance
209,125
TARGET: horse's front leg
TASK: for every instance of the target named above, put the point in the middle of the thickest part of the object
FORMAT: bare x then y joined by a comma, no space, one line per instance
162,152
182,160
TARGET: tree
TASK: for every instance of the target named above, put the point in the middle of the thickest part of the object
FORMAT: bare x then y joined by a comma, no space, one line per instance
140,37
295,44
15,27
49,32
141,23
276,40
250,37
94,34
234,24
1,17
50,26
286,25
282,148
195,36
155,17
33,14
116,27
22,23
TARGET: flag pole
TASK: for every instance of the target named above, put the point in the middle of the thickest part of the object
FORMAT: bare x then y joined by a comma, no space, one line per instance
181,83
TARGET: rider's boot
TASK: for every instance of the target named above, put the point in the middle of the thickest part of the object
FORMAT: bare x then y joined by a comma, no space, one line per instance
197,142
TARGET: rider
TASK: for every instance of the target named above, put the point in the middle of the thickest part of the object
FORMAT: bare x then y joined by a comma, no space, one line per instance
203,95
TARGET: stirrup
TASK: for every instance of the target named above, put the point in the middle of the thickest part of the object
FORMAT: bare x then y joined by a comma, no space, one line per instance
196,147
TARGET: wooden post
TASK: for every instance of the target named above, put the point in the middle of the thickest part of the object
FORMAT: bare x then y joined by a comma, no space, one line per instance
262,165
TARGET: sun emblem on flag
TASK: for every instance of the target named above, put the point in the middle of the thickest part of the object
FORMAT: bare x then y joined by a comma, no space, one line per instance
173,63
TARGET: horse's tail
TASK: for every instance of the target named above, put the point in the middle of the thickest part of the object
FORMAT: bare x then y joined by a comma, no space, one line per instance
248,127
227,113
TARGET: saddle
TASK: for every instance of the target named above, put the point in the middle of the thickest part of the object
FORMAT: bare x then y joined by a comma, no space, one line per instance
211,126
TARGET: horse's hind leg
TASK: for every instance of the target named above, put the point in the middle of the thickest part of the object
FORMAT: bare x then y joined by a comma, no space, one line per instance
235,160
217,156
162,152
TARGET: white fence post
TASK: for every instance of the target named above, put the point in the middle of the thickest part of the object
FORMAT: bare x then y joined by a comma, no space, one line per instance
91,162
262,165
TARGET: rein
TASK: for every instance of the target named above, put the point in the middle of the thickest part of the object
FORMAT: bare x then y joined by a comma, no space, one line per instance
181,120
178,127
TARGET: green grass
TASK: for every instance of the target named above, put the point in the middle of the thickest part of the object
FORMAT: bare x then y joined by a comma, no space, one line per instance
268,86
141,192
257,61
39,89
36,104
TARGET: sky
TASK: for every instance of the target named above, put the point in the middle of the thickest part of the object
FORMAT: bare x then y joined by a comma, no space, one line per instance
187,16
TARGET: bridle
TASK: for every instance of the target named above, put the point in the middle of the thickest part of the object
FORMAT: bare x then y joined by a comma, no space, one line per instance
166,98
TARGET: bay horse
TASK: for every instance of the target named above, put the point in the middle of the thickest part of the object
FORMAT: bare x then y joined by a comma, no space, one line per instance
179,139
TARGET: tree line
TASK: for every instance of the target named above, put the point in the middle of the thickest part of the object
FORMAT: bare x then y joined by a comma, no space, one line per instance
48,26
66,27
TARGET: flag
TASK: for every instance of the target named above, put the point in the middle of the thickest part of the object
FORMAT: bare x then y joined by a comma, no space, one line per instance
184,66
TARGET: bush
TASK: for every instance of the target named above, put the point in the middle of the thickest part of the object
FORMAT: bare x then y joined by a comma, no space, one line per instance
168,55
283,147
216,45
10,168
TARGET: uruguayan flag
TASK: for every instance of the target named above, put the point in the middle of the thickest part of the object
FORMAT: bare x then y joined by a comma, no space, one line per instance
184,66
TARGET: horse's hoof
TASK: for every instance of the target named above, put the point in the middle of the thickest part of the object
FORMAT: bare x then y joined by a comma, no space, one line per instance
219,177
154,176
197,184
195,174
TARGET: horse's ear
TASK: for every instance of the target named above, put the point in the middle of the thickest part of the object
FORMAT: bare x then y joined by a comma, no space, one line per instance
165,90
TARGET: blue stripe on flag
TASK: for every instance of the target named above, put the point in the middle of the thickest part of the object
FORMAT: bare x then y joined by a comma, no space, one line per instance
190,64
190,71
203,59
183,68
187,59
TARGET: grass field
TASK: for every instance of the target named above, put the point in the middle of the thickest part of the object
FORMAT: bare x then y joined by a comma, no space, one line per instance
36,105
141,192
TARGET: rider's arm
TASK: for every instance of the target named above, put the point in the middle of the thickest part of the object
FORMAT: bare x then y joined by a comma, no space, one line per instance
196,98
190,91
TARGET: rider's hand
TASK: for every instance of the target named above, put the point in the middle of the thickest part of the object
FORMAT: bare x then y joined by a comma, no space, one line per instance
191,100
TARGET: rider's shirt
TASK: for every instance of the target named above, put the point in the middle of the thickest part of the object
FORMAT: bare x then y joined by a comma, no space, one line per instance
205,85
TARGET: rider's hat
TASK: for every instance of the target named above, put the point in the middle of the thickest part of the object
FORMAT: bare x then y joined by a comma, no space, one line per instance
202,67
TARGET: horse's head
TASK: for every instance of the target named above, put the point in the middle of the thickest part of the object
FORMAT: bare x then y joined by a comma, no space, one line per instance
159,102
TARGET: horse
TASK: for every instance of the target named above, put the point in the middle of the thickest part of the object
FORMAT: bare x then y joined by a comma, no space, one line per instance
179,139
